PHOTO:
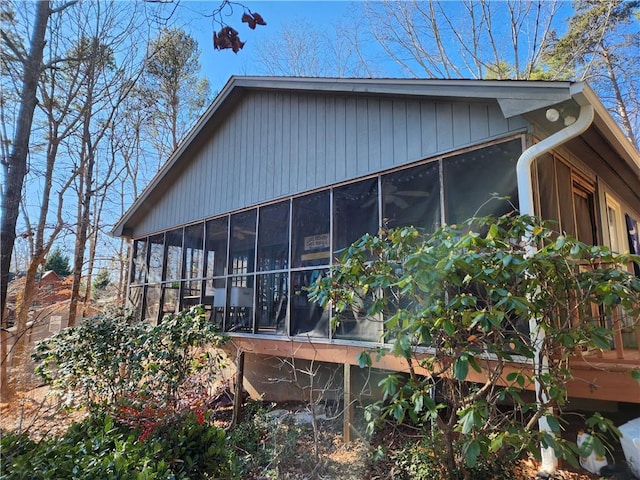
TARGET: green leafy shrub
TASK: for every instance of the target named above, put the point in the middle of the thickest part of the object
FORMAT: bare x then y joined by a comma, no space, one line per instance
421,460
147,388
13,445
247,441
265,446
109,360
484,301
101,448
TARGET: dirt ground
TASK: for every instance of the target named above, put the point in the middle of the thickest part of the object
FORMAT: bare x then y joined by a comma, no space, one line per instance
40,415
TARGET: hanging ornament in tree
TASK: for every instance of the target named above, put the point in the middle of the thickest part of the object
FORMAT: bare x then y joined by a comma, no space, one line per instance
253,19
227,37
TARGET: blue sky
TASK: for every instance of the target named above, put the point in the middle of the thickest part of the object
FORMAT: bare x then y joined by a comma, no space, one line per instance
218,66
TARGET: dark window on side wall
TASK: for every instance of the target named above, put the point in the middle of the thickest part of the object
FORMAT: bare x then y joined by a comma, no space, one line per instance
583,200
242,242
311,227
412,197
355,212
273,237
471,179
307,318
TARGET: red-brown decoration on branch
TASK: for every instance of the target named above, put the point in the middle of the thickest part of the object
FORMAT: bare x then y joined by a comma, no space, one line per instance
227,37
253,19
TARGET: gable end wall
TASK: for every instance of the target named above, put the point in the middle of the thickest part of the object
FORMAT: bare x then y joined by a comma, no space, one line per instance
275,144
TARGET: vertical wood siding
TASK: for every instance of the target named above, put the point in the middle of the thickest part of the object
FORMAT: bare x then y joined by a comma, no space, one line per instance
277,144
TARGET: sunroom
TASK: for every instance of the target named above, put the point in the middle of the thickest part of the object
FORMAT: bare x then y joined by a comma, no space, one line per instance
281,174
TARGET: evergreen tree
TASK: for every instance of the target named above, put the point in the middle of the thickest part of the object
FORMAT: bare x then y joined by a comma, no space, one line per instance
102,280
175,92
601,47
58,262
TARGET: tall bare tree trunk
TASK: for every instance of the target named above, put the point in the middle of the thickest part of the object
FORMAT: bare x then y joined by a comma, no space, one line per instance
620,104
15,169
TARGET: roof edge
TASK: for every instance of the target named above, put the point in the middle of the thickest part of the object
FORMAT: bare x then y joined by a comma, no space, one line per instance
514,97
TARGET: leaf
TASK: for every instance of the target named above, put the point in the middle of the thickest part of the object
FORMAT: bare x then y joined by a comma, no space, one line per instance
493,232
468,421
553,423
461,369
511,376
449,328
364,360
473,451
474,364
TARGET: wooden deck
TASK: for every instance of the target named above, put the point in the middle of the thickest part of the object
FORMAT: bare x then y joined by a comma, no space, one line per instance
597,375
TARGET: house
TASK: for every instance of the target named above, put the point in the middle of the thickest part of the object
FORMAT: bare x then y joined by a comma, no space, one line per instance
280,173
51,289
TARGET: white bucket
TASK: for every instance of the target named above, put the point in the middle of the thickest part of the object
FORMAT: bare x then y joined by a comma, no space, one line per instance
594,462
630,442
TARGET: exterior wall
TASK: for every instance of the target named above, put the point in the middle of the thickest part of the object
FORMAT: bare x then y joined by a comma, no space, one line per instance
278,144
51,290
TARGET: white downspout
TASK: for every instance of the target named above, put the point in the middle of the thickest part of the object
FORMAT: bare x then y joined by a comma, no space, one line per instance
526,202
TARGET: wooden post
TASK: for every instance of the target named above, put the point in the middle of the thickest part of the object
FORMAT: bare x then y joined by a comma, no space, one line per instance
348,405
237,397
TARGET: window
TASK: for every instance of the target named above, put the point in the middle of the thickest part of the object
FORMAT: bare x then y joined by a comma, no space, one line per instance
173,243
307,318
354,324
412,197
615,223
584,204
567,199
355,212
239,314
156,253
216,247
311,230
242,242
135,300
193,251
272,292
139,263
152,303
273,237
192,262
473,179
252,269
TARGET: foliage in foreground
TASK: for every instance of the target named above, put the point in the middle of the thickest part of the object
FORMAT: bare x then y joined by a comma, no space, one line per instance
490,297
110,361
190,447
149,392
99,447
420,460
